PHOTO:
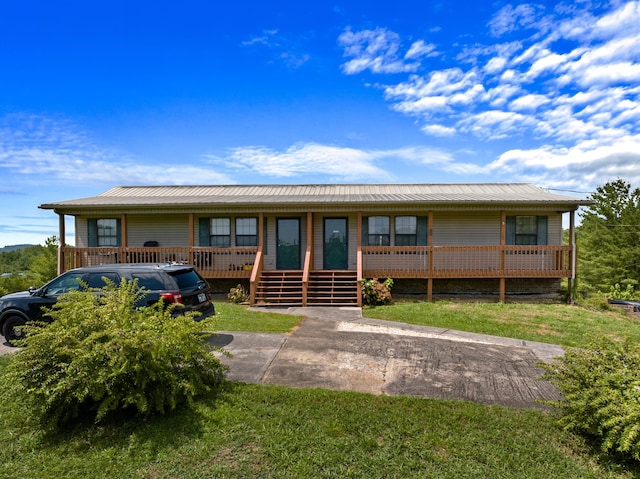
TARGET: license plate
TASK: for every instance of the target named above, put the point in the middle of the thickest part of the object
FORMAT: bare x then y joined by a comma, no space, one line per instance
202,298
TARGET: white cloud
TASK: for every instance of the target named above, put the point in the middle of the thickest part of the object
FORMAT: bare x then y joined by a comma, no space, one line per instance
379,52
528,102
509,18
566,79
310,158
419,49
438,130
36,149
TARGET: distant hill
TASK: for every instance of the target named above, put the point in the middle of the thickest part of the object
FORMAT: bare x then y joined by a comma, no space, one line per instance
15,247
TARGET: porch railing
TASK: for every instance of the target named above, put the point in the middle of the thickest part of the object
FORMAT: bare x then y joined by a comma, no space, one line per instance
466,261
211,262
373,261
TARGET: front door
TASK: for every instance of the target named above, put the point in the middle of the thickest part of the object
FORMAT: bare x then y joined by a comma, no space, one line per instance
288,241
335,243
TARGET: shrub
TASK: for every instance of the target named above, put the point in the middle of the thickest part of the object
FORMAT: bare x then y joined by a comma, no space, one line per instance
238,295
101,355
628,293
376,293
601,388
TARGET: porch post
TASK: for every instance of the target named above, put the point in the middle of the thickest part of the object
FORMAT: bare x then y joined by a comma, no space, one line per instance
503,242
62,233
430,244
124,243
308,258
359,258
125,233
573,255
192,240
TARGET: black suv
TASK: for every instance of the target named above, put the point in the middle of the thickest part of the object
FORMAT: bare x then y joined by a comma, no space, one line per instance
173,283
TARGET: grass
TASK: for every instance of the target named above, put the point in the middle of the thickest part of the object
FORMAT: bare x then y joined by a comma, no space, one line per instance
275,432
237,317
548,323
259,431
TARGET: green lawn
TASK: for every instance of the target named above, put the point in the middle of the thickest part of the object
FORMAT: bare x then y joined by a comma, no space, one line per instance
249,431
236,317
252,431
548,323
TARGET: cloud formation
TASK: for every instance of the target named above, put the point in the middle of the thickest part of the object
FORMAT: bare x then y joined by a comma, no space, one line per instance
36,149
564,82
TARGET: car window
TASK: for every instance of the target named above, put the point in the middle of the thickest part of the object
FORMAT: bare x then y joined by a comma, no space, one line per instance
149,280
65,283
96,280
186,278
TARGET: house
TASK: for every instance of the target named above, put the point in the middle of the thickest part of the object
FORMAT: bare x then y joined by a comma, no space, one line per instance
311,244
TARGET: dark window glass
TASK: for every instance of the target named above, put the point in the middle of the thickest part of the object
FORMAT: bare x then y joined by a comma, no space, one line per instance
221,232
526,230
187,279
379,233
151,281
246,232
406,233
107,232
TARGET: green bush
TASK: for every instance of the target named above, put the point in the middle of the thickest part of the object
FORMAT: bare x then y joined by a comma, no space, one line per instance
375,293
101,355
601,387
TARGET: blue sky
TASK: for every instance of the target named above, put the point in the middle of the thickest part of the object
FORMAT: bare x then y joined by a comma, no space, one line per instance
99,94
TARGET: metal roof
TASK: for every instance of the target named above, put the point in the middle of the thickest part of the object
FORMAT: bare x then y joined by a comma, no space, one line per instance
334,194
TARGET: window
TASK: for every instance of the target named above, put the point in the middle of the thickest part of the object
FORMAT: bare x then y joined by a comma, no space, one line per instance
379,234
406,233
527,230
220,232
246,232
107,232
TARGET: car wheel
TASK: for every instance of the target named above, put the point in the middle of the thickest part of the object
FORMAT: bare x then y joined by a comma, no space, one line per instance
12,329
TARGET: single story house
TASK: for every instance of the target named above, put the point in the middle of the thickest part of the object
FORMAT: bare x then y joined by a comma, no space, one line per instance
312,244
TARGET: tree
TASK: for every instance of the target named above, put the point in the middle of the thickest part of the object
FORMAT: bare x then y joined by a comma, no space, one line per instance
609,238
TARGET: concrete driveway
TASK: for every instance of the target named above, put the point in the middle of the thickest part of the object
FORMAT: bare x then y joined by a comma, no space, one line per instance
335,348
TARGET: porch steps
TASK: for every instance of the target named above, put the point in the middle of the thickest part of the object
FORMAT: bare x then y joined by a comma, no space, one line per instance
325,288
280,288
332,288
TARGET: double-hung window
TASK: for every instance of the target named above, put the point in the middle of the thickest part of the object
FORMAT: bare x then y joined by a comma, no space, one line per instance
379,232
220,235
103,232
406,232
527,230
107,232
246,232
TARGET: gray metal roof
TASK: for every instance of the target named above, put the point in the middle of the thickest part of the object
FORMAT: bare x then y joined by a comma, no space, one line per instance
348,194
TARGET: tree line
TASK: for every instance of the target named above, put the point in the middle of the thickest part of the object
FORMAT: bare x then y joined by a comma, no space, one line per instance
608,240
29,266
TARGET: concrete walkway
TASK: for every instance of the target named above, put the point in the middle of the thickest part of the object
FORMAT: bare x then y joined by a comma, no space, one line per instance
336,348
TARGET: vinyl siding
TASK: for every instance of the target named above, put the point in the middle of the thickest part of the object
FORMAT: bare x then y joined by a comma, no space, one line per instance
167,230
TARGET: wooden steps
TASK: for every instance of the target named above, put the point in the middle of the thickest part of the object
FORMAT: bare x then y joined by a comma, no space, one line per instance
280,288
325,288
332,288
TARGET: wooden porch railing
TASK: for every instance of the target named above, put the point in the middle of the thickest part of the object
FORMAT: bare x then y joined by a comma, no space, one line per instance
466,261
372,261
255,276
210,262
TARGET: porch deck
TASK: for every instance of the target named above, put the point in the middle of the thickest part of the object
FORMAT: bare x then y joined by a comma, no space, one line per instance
418,262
